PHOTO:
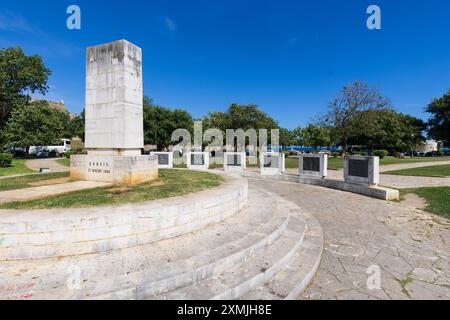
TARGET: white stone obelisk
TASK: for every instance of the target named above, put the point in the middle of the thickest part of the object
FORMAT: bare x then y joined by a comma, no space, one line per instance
114,134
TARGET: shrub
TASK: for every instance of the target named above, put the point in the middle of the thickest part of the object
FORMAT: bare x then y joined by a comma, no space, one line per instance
335,154
5,160
69,153
380,153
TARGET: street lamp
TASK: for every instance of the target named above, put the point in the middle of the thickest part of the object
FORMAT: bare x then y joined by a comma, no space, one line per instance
412,144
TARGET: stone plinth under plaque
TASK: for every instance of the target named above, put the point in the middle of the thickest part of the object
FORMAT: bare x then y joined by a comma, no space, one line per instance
315,165
272,163
234,161
197,160
114,118
361,169
165,159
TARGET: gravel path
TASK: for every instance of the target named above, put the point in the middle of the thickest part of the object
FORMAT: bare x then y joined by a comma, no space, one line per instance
54,166
408,246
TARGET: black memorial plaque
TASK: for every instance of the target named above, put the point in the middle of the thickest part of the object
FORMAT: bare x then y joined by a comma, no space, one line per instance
358,168
163,159
271,162
311,164
233,160
197,159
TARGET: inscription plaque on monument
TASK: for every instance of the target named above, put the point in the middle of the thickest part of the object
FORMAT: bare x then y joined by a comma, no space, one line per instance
358,168
197,160
314,165
234,161
163,159
361,169
271,163
311,164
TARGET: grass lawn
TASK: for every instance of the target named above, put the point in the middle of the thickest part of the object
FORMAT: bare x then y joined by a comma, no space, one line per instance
29,181
438,199
338,163
170,183
64,162
433,171
17,167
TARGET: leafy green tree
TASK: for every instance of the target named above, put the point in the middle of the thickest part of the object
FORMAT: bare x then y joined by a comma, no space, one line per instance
34,124
76,126
439,124
240,117
160,122
355,101
20,75
286,137
297,136
387,129
316,136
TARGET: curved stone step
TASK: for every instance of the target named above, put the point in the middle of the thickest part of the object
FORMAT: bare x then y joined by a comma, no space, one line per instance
157,267
56,233
241,279
290,283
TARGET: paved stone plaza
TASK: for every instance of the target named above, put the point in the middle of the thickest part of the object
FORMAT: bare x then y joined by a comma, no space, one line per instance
410,246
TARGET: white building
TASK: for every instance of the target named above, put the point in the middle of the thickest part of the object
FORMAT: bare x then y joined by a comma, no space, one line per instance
427,146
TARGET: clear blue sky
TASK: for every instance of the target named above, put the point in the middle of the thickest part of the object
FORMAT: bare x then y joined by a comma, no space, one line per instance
289,57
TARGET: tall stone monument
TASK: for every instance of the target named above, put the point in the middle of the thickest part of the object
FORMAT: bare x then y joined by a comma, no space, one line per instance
114,118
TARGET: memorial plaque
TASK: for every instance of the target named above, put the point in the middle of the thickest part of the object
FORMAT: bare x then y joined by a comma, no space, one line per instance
197,159
234,160
311,164
271,162
358,168
163,159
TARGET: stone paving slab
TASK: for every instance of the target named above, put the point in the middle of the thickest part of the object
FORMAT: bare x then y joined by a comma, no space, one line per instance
50,190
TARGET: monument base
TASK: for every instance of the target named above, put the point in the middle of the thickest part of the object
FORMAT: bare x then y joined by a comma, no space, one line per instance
123,170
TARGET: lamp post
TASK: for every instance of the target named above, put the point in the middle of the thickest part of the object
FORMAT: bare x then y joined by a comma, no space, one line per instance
412,144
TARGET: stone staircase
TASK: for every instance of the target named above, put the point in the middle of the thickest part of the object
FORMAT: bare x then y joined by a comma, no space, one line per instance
269,250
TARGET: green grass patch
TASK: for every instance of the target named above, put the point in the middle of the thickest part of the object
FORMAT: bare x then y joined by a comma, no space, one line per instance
169,184
437,198
17,167
64,162
432,171
338,163
27,181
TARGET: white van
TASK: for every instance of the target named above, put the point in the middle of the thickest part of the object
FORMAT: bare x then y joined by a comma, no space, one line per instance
43,151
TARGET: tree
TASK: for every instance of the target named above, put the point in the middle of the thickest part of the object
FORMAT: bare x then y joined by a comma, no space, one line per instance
20,75
286,137
439,124
34,124
387,129
355,100
316,136
160,122
240,117
76,127
297,136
